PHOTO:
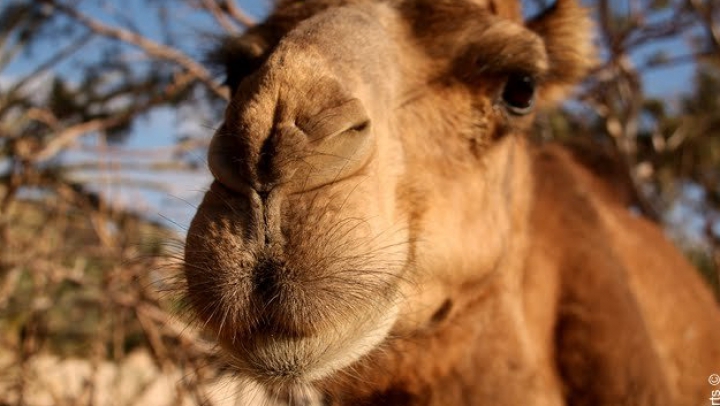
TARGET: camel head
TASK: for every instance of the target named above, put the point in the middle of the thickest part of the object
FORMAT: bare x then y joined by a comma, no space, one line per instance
368,168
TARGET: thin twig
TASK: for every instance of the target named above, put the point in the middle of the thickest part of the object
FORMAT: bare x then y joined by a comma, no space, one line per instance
43,67
152,48
69,135
237,13
213,8
706,13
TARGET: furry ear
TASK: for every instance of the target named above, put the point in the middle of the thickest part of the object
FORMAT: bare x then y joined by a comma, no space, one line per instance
566,29
237,57
509,9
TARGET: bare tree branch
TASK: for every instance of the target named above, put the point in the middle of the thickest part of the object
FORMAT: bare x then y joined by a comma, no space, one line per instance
12,93
237,13
152,48
214,9
707,13
69,135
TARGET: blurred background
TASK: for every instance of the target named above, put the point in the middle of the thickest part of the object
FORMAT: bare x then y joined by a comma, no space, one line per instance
107,106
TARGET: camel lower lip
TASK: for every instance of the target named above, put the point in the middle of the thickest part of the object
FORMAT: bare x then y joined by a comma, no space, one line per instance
285,361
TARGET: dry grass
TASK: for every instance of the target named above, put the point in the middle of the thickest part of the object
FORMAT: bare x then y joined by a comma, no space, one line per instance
94,293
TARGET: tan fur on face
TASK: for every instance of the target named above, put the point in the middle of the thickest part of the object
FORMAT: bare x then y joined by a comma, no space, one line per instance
380,232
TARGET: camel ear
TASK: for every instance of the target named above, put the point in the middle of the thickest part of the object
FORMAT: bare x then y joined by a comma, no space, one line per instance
511,10
237,57
566,30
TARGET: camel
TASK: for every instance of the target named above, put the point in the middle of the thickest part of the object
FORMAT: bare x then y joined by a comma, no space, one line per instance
381,230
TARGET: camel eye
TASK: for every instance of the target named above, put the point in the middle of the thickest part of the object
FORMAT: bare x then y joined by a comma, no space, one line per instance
518,95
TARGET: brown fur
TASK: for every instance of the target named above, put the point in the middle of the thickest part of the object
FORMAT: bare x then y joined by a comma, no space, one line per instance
380,231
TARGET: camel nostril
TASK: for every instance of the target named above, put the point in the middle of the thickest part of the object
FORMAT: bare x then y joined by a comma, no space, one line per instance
266,168
340,145
227,163
361,127
279,153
